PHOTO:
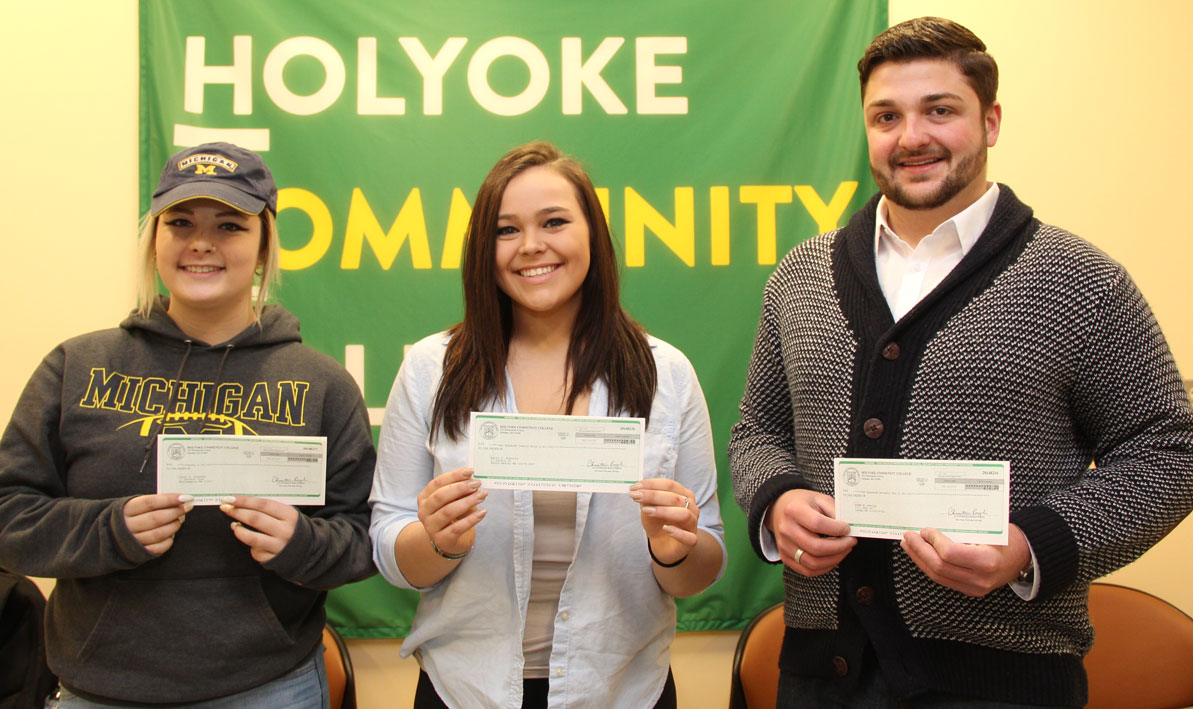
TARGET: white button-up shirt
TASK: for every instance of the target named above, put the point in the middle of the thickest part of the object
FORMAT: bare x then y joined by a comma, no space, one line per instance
613,631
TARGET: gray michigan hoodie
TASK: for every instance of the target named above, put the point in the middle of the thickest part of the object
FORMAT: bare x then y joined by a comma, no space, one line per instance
203,619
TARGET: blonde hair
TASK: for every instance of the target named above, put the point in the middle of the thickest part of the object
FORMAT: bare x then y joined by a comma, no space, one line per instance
147,284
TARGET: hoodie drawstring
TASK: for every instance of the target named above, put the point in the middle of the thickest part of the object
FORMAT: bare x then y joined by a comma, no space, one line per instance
219,373
169,404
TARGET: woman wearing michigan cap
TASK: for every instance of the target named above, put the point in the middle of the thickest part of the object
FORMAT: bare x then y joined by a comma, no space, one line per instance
159,601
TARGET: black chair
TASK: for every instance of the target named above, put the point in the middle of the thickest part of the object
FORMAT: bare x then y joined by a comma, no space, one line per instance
25,678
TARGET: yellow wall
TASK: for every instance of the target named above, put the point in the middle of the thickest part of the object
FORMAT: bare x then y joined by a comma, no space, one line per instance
68,176
1095,105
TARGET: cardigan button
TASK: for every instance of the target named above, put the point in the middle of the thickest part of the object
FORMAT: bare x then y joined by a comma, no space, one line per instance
840,666
864,596
891,351
873,428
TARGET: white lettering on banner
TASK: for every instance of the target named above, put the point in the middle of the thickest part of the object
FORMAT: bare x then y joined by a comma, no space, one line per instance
432,68
491,51
368,103
187,136
325,96
576,74
651,75
197,74
354,362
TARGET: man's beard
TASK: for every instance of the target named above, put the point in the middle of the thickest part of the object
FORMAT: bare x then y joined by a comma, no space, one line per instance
957,179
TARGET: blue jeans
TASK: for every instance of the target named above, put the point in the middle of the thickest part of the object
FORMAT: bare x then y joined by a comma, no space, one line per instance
301,688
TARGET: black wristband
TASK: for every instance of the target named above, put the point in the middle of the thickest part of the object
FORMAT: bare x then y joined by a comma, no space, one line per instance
655,559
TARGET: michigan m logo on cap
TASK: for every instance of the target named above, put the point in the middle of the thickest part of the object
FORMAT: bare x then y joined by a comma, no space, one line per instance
205,163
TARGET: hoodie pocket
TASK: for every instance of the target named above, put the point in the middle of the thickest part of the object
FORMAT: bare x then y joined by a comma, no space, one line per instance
176,622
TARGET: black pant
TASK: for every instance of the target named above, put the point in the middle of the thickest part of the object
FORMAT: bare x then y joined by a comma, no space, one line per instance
534,693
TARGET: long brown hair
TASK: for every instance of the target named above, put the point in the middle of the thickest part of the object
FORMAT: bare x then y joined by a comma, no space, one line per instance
605,341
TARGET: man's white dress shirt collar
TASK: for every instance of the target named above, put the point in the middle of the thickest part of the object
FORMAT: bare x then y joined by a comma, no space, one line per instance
908,274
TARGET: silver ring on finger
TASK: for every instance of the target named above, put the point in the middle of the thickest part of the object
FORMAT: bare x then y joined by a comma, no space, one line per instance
799,554
687,503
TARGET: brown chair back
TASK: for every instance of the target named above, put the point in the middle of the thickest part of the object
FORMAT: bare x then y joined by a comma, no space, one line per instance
1143,650
341,681
1142,654
756,661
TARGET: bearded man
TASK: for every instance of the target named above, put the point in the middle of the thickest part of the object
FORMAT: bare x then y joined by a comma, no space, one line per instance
945,322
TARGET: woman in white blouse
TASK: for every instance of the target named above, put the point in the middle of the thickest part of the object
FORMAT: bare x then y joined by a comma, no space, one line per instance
543,598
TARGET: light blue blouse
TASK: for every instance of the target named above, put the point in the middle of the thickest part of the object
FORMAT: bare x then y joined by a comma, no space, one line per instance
614,627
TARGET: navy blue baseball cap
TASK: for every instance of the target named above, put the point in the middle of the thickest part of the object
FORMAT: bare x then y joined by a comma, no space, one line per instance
221,171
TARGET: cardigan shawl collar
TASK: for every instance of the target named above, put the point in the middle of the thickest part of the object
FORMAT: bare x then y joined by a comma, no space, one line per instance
879,377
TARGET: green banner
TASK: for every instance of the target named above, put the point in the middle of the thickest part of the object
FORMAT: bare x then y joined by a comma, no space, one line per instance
719,134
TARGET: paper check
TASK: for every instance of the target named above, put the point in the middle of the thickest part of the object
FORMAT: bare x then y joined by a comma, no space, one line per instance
567,453
290,469
968,500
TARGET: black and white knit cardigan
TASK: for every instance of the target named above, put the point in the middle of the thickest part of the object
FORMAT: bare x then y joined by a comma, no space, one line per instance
1038,349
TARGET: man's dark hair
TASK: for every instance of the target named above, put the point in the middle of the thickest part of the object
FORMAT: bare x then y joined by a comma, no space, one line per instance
935,38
